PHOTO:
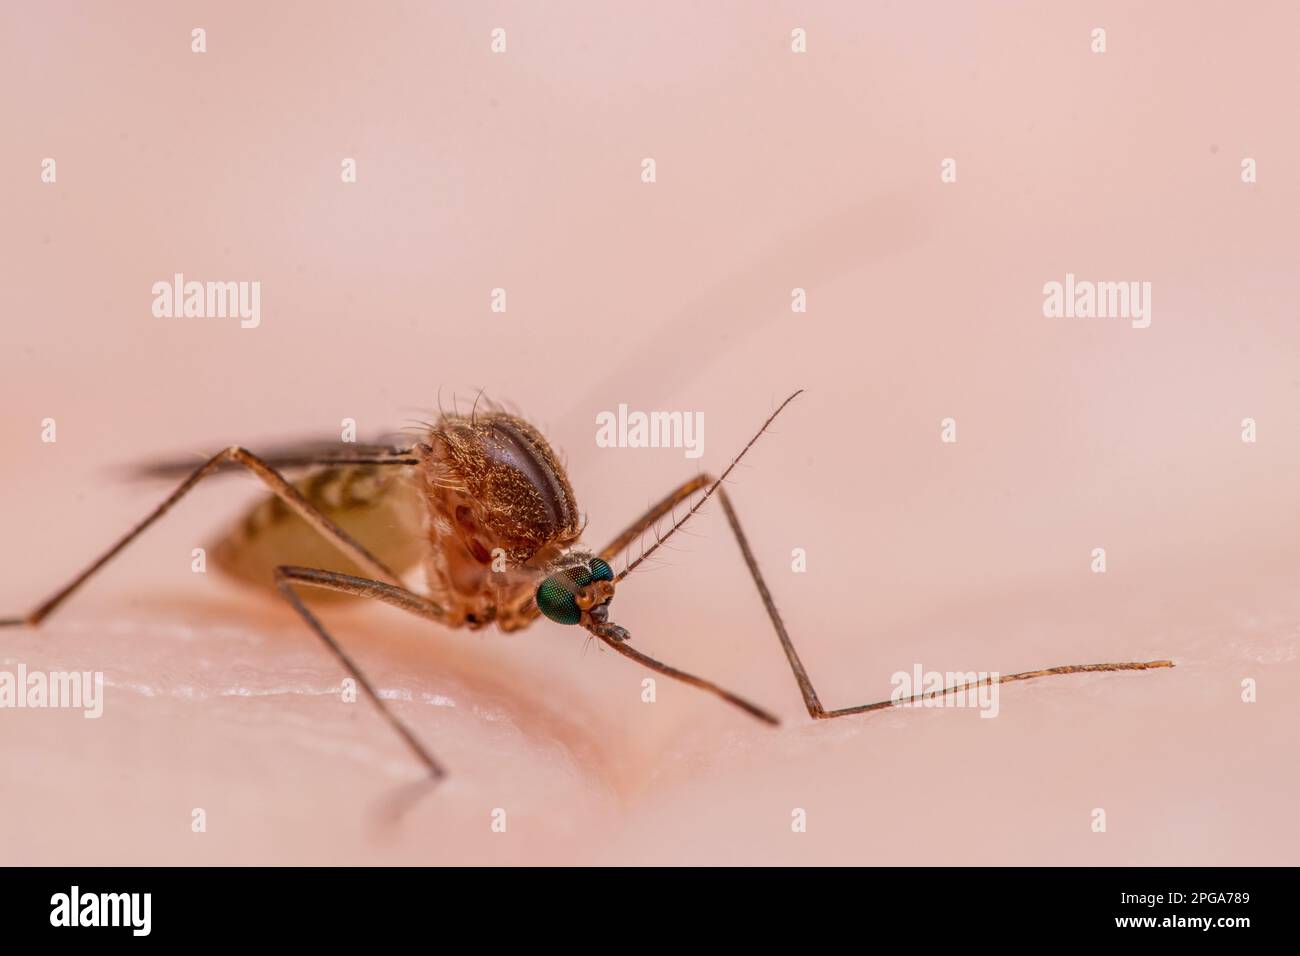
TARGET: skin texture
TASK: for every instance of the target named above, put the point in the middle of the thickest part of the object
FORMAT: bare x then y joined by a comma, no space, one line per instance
775,171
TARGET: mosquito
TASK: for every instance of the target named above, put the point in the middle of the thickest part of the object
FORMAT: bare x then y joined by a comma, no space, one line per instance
482,502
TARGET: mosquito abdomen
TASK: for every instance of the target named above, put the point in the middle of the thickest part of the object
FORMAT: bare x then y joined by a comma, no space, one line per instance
380,507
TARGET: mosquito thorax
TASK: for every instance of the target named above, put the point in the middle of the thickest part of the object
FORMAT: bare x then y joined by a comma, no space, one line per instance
500,508
499,482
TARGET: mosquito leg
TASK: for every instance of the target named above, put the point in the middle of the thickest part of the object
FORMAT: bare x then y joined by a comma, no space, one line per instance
638,528
286,576
647,520
616,547
290,495
714,486
627,650
810,700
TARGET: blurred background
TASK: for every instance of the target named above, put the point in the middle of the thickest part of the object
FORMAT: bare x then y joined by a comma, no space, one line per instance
775,170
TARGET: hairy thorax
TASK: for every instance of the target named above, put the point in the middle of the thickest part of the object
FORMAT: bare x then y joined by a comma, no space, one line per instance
500,511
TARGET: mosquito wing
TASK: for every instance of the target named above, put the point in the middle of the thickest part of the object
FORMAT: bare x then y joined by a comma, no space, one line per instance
366,489
290,456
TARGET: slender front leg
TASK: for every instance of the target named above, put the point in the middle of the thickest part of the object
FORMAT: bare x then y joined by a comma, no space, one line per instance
647,520
277,483
810,699
645,660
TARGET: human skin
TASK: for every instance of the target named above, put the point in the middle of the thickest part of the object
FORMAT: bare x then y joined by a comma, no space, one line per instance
522,171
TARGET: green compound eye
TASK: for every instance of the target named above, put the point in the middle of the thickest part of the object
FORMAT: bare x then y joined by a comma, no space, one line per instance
600,571
555,595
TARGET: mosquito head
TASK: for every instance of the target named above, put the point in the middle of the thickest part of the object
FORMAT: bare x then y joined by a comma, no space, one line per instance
580,594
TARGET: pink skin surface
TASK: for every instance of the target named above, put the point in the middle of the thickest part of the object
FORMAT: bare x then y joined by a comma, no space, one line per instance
775,171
